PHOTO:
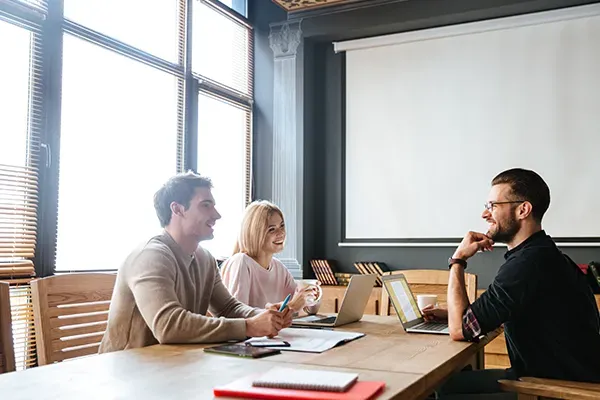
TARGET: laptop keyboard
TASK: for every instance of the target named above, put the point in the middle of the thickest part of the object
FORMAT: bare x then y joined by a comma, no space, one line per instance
328,320
431,326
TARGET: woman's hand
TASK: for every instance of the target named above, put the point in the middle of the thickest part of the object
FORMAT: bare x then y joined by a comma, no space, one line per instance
303,297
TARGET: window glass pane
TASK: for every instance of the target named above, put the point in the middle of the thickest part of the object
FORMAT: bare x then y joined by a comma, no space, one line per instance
220,48
240,6
151,26
118,146
14,93
222,157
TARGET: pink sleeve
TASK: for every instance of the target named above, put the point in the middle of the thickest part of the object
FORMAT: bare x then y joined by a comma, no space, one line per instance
236,277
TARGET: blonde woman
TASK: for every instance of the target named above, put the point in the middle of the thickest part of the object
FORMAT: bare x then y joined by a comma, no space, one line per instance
252,274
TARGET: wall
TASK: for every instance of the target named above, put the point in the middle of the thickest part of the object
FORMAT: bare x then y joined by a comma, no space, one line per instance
324,123
261,14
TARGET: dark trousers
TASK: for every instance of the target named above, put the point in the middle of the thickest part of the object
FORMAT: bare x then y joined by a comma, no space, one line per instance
475,385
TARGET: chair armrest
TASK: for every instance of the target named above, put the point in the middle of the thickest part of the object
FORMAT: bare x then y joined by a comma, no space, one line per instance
552,391
571,384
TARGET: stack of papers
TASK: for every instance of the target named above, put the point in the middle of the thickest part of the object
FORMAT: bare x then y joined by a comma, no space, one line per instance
310,340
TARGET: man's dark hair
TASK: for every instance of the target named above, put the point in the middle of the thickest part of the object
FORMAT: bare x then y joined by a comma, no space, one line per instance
179,189
526,185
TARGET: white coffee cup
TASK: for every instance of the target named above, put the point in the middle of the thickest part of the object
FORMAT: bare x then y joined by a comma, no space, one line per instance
303,284
424,300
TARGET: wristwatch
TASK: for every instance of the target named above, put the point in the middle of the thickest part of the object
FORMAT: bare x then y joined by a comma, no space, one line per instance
452,261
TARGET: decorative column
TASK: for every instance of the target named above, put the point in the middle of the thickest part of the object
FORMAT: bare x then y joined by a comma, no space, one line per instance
288,140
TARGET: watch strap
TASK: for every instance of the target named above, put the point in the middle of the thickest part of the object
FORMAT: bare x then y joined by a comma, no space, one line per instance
460,261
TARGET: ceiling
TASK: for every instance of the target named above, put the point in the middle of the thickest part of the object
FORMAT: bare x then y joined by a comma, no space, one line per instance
295,5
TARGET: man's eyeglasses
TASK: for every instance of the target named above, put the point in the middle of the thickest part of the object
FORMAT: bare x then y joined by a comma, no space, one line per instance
490,204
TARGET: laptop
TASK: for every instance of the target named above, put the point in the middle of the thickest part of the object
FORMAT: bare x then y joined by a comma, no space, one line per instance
405,304
352,309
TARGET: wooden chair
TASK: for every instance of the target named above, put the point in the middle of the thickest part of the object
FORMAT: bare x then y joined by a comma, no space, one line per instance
70,313
7,353
537,388
429,281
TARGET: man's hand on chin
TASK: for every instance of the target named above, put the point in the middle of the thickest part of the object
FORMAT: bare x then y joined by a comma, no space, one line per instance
471,244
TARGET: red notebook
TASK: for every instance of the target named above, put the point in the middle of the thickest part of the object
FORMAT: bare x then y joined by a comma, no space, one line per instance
361,390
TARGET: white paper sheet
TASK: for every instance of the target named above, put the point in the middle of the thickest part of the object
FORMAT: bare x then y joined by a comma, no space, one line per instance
311,340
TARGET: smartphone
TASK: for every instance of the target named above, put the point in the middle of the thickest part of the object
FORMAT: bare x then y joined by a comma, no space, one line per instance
268,343
241,350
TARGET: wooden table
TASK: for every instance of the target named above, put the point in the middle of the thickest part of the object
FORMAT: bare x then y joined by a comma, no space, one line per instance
412,365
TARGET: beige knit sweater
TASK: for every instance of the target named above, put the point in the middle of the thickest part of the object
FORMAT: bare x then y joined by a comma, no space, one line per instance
162,295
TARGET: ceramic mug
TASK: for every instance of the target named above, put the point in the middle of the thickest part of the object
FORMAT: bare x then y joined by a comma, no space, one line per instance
311,299
424,300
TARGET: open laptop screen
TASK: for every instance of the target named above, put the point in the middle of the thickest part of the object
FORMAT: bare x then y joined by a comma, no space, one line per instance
402,298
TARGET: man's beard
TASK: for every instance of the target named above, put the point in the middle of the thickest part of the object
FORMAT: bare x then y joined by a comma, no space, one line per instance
505,232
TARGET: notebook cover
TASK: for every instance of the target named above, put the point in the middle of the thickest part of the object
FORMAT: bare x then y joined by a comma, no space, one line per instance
306,379
361,390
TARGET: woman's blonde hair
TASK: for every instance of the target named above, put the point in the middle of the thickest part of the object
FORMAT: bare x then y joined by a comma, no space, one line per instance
254,227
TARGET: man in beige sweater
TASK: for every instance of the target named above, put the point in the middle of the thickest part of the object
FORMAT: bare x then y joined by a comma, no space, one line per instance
165,288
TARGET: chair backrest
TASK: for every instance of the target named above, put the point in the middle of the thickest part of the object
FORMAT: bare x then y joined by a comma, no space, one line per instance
429,281
70,313
7,352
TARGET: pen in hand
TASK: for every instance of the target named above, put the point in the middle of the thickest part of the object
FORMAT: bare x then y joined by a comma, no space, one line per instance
285,302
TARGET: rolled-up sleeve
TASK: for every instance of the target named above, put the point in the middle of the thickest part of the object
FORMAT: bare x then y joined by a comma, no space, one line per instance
470,326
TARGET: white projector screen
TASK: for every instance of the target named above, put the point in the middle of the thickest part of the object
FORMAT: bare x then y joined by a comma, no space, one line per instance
432,116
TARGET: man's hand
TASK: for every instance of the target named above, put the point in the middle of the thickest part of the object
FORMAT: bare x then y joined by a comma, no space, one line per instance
431,313
267,323
471,244
286,314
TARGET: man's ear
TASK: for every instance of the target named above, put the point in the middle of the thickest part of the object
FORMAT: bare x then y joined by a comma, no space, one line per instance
524,210
177,209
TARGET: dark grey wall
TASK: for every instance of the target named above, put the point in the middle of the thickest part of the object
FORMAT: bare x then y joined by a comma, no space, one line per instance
261,14
324,124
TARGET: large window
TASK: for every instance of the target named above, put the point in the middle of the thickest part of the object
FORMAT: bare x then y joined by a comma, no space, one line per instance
133,92
118,145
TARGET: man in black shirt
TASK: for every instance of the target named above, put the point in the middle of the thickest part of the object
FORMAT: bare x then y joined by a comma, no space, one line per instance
550,316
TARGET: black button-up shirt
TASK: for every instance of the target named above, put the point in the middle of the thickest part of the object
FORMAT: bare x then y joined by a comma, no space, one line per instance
550,316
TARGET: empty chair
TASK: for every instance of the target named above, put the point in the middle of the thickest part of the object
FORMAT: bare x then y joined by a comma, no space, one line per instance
71,314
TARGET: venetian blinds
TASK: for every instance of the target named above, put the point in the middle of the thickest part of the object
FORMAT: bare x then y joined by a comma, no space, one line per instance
19,148
20,130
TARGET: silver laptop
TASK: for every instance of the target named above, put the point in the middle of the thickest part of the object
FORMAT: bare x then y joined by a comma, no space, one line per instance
352,309
405,304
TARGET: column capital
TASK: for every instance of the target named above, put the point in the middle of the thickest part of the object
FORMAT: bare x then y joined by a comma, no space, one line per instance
284,38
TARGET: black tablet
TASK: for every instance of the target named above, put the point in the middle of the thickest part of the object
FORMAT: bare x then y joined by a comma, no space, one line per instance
241,350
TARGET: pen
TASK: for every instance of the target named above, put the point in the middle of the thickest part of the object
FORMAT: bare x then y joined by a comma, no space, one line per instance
285,302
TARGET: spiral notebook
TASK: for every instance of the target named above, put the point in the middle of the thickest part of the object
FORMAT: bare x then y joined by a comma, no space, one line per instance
306,379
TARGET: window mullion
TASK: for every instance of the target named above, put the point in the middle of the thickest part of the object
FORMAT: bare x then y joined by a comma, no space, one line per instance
50,138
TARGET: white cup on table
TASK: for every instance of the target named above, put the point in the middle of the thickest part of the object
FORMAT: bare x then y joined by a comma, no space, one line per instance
424,300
